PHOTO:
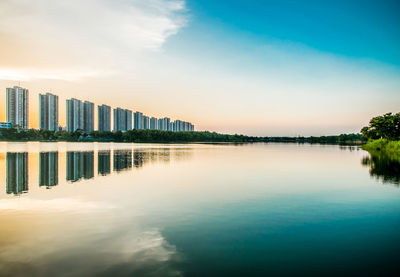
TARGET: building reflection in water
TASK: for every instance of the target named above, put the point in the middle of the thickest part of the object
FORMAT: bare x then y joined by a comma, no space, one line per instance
48,169
80,165
122,160
138,158
104,162
17,173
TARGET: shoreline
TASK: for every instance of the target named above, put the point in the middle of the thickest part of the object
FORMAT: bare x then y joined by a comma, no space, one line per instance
359,144
382,145
157,136
383,149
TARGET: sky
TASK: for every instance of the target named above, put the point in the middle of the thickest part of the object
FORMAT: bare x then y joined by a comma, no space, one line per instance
266,68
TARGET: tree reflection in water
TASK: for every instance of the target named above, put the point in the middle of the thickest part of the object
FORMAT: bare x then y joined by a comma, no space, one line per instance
384,167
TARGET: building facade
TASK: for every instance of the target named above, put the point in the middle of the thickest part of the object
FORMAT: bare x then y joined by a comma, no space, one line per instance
138,120
153,123
165,124
128,118
88,117
122,120
119,119
146,122
17,100
80,115
5,125
48,112
74,111
104,118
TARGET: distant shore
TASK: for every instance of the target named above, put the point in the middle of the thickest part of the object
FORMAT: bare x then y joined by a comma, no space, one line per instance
157,136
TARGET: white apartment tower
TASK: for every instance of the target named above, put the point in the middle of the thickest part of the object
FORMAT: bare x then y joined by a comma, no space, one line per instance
88,117
48,112
18,106
80,115
104,118
122,120
74,115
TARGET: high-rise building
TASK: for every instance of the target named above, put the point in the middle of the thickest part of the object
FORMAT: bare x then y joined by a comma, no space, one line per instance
146,122
48,112
138,120
165,124
74,115
17,99
122,120
80,115
119,120
178,125
128,119
160,124
104,118
153,123
88,117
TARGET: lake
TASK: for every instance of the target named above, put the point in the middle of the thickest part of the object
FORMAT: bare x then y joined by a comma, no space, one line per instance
107,209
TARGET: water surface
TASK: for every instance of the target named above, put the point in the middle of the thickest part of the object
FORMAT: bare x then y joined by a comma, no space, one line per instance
93,209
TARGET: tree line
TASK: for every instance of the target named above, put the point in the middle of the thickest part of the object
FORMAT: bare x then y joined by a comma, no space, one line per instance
15,134
385,126
157,136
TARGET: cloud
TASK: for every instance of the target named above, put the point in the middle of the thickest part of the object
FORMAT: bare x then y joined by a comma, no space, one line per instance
80,37
30,74
54,205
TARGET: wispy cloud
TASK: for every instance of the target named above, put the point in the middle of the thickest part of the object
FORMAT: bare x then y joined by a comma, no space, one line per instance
29,74
80,36
54,205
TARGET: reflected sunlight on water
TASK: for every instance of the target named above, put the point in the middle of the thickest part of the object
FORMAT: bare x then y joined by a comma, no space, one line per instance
98,209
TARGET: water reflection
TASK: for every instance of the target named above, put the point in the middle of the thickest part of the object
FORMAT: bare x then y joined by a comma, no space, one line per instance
17,173
48,169
80,165
258,210
104,162
383,167
122,160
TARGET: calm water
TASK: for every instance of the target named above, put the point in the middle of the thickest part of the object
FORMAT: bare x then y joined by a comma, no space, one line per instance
94,209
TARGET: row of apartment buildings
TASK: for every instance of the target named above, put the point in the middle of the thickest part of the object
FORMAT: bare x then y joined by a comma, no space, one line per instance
80,115
125,120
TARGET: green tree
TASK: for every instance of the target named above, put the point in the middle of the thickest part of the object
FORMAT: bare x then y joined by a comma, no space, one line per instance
386,126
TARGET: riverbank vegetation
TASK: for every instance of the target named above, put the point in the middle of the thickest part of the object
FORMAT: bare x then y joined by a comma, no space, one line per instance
128,136
383,134
156,136
343,139
383,145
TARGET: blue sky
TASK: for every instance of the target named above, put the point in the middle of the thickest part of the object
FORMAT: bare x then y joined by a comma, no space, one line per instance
359,29
253,67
